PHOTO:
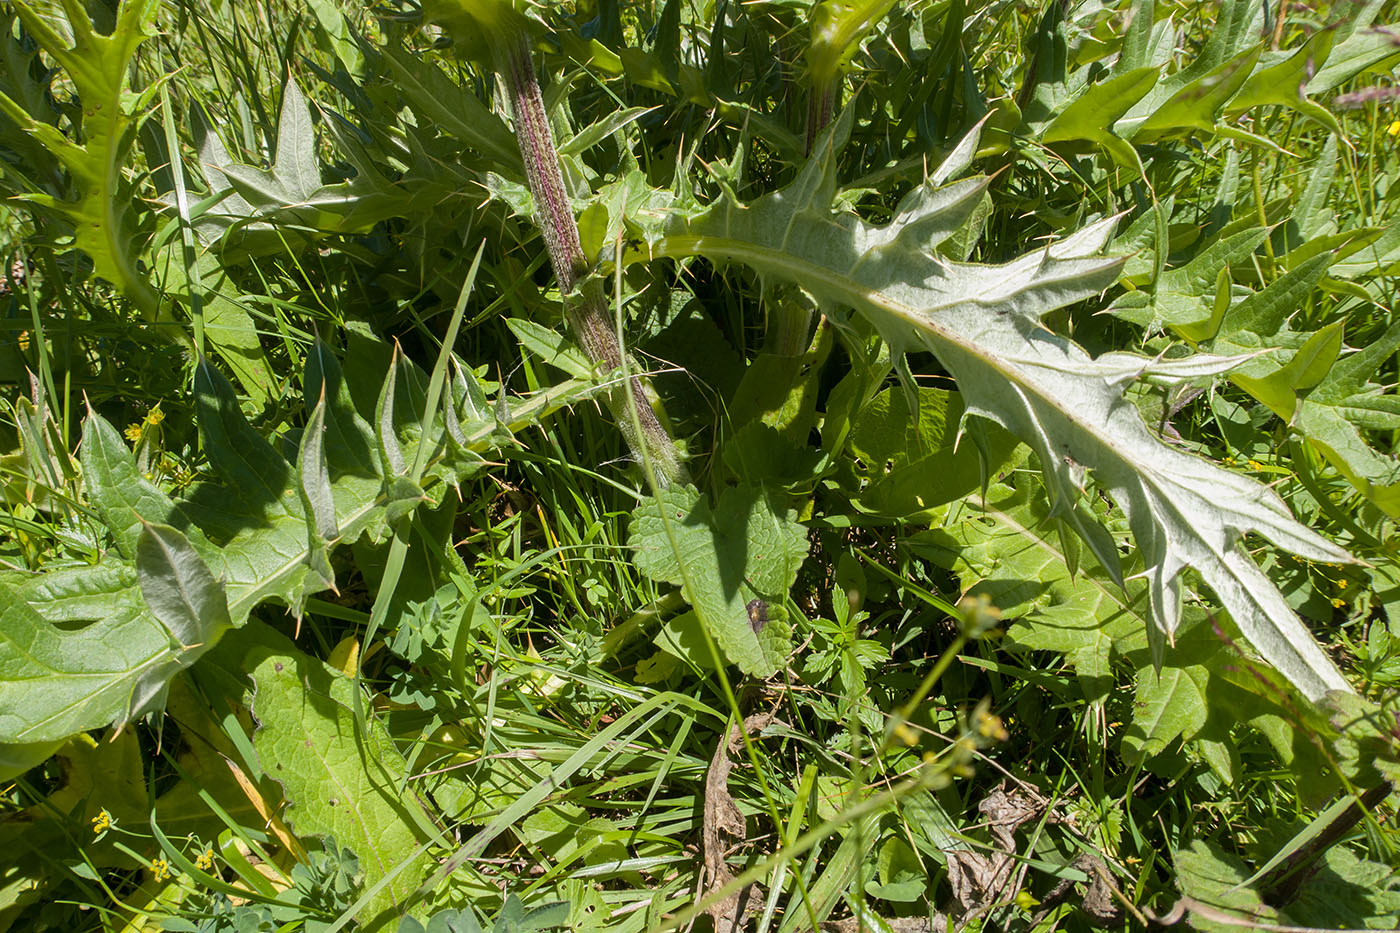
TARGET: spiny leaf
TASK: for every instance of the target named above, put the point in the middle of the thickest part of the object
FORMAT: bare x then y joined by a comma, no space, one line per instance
99,66
983,323
103,642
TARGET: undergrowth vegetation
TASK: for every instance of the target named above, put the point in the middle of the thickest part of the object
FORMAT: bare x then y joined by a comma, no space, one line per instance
771,466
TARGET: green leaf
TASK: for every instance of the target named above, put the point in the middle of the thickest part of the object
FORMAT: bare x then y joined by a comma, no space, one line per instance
911,462
179,590
1194,106
296,165
1360,52
592,135
1284,83
1092,113
339,780
983,323
63,673
735,565
837,28
105,640
123,496
104,215
1207,874
1008,549
453,109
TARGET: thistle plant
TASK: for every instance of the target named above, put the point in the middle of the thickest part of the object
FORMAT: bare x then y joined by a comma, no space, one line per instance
495,31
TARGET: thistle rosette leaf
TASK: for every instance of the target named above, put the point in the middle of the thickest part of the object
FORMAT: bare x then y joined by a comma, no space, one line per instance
983,324
105,641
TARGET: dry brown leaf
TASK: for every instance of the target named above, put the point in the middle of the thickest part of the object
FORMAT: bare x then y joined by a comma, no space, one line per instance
722,818
978,879
1100,906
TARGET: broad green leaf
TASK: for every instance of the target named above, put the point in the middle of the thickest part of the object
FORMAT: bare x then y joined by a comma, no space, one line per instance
1195,106
1008,549
1213,877
1341,892
123,496
317,495
1183,297
1326,397
339,780
735,564
1284,83
1308,366
178,588
104,641
62,672
296,165
1170,705
983,323
550,346
1360,52
1332,430
912,461
1092,113
837,28
480,28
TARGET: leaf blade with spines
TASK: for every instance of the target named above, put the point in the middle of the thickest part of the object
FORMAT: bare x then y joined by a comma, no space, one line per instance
88,634
983,324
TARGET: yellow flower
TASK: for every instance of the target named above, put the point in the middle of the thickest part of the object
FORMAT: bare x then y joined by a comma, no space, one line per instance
205,860
102,822
906,735
1342,583
134,432
1338,603
160,868
990,727
1255,465
1394,128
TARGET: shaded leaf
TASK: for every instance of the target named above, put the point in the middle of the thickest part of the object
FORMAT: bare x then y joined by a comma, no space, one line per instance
747,549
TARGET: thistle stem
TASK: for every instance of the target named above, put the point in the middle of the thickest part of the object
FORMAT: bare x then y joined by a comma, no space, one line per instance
585,303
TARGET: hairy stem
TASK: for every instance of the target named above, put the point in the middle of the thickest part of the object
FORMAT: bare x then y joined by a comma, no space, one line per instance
585,303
